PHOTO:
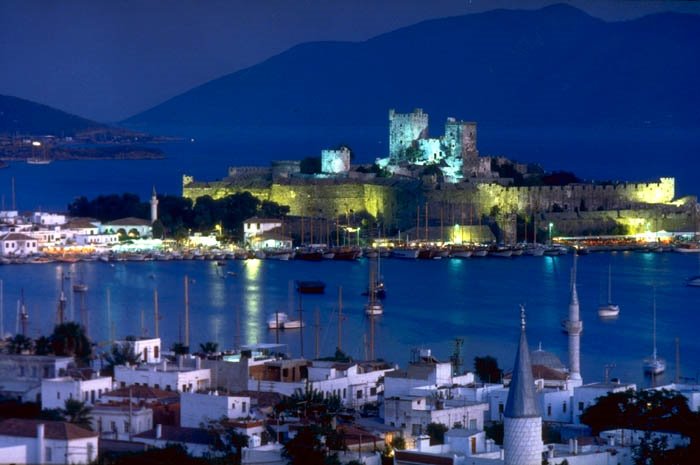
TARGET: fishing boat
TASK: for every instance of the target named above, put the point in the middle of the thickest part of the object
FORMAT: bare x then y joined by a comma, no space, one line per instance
609,310
654,365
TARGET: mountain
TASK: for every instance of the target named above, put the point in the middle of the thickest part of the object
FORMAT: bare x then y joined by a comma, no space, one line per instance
508,68
19,116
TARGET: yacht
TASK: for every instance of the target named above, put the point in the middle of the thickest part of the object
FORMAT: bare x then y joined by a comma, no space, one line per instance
277,320
609,310
654,365
693,281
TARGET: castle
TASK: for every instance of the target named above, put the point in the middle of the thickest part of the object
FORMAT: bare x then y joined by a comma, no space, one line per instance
448,182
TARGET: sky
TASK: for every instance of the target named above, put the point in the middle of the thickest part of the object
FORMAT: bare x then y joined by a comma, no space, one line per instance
107,60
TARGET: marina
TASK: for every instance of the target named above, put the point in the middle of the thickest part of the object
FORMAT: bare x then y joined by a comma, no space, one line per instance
432,302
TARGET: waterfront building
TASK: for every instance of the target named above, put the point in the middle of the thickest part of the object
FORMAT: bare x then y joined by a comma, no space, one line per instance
255,227
18,245
198,408
147,349
120,421
22,375
197,441
55,391
164,375
354,383
130,227
24,441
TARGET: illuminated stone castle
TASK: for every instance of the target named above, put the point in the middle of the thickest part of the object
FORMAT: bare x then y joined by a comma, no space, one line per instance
463,192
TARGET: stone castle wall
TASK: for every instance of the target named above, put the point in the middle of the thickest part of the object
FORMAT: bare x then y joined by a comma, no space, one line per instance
404,128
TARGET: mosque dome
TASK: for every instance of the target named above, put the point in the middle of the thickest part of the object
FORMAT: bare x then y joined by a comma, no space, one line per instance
546,359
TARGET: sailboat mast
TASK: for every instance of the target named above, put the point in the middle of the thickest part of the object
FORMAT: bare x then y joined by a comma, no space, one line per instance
340,317
156,316
654,325
187,312
610,284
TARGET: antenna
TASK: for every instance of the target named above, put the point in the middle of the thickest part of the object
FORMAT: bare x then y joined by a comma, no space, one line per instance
678,360
187,312
608,368
301,327
156,315
456,357
317,327
340,318
14,207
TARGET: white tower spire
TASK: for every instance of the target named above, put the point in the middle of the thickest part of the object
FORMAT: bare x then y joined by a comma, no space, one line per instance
522,440
574,326
154,206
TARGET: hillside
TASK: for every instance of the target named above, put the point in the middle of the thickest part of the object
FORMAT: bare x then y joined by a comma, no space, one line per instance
19,116
552,67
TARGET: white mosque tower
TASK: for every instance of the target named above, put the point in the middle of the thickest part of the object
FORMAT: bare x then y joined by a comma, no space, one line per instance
522,441
574,326
154,206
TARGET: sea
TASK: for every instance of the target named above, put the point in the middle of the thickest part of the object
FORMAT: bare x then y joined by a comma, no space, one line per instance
429,304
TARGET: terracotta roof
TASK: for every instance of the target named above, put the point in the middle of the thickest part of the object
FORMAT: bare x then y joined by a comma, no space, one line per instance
179,434
429,459
16,237
143,392
52,429
80,223
130,221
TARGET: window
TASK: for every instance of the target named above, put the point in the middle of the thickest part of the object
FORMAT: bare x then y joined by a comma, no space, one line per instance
46,372
127,427
47,454
58,395
345,393
359,394
113,426
21,371
156,352
500,408
90,451
580,406
373,391
243,407
549,410
416,429
563,407
472,423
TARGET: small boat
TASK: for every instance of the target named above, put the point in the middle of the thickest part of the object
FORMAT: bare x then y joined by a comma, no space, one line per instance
313,255
534,250
80,287
609,310
38,161
654,365
374,308
346,253
460,251
479,252
277,320
501,252
311,287
278,254
404,253
687,248
292,324
693,281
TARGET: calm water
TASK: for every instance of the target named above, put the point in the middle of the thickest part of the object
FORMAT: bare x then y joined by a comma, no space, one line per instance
429,304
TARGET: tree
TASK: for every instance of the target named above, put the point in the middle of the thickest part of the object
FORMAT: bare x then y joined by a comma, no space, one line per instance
270,209
486,368
18,343
121,354
209,348
158,229
42,346
398,443
69,340
306,447
227,445
179,348
436,431
78,413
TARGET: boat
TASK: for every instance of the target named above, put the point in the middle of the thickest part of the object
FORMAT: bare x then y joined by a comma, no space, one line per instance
534,249
311,287
609,310
693,281
309,254
373,307
278,254
687,247
346,253
38,161
460,251
480,252
292,324
80,287
501,252
407,253
654,365
277,320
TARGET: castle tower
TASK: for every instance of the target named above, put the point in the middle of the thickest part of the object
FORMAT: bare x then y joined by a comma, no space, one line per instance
574,326
522,440
404,130
154,206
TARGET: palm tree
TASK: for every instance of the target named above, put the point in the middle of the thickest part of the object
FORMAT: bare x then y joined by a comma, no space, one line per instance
18,344
78,413
69,339
209,348
121,354
180,349
42,346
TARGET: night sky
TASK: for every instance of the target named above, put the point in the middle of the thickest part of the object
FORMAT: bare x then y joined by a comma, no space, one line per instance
108,60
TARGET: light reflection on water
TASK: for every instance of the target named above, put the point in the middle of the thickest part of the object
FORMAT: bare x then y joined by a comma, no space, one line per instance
429,304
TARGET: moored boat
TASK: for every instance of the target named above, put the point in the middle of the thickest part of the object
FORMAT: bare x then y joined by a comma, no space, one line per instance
404,253
277,320
311,287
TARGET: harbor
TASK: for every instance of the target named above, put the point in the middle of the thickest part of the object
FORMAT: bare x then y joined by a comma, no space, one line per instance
428,303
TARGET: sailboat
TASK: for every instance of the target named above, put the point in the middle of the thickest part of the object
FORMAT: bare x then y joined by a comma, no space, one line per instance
610,309
378,288
654,365
373,307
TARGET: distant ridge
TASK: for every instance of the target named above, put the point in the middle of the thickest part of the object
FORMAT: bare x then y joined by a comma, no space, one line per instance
19,116
508,68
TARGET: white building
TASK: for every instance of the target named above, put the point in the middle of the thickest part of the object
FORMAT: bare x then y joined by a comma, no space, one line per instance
256,226
80,226
46,442
423,373
587,395
196,441
149,349
22,375
120,421
132,227
196,408
413,414
164,376
96,239
18,245
55,391
48,219
354,383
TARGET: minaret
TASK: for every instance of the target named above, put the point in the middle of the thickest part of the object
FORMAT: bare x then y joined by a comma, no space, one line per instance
154,206
522,440
574,326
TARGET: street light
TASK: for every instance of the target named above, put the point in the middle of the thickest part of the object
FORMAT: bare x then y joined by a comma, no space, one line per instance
550,233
